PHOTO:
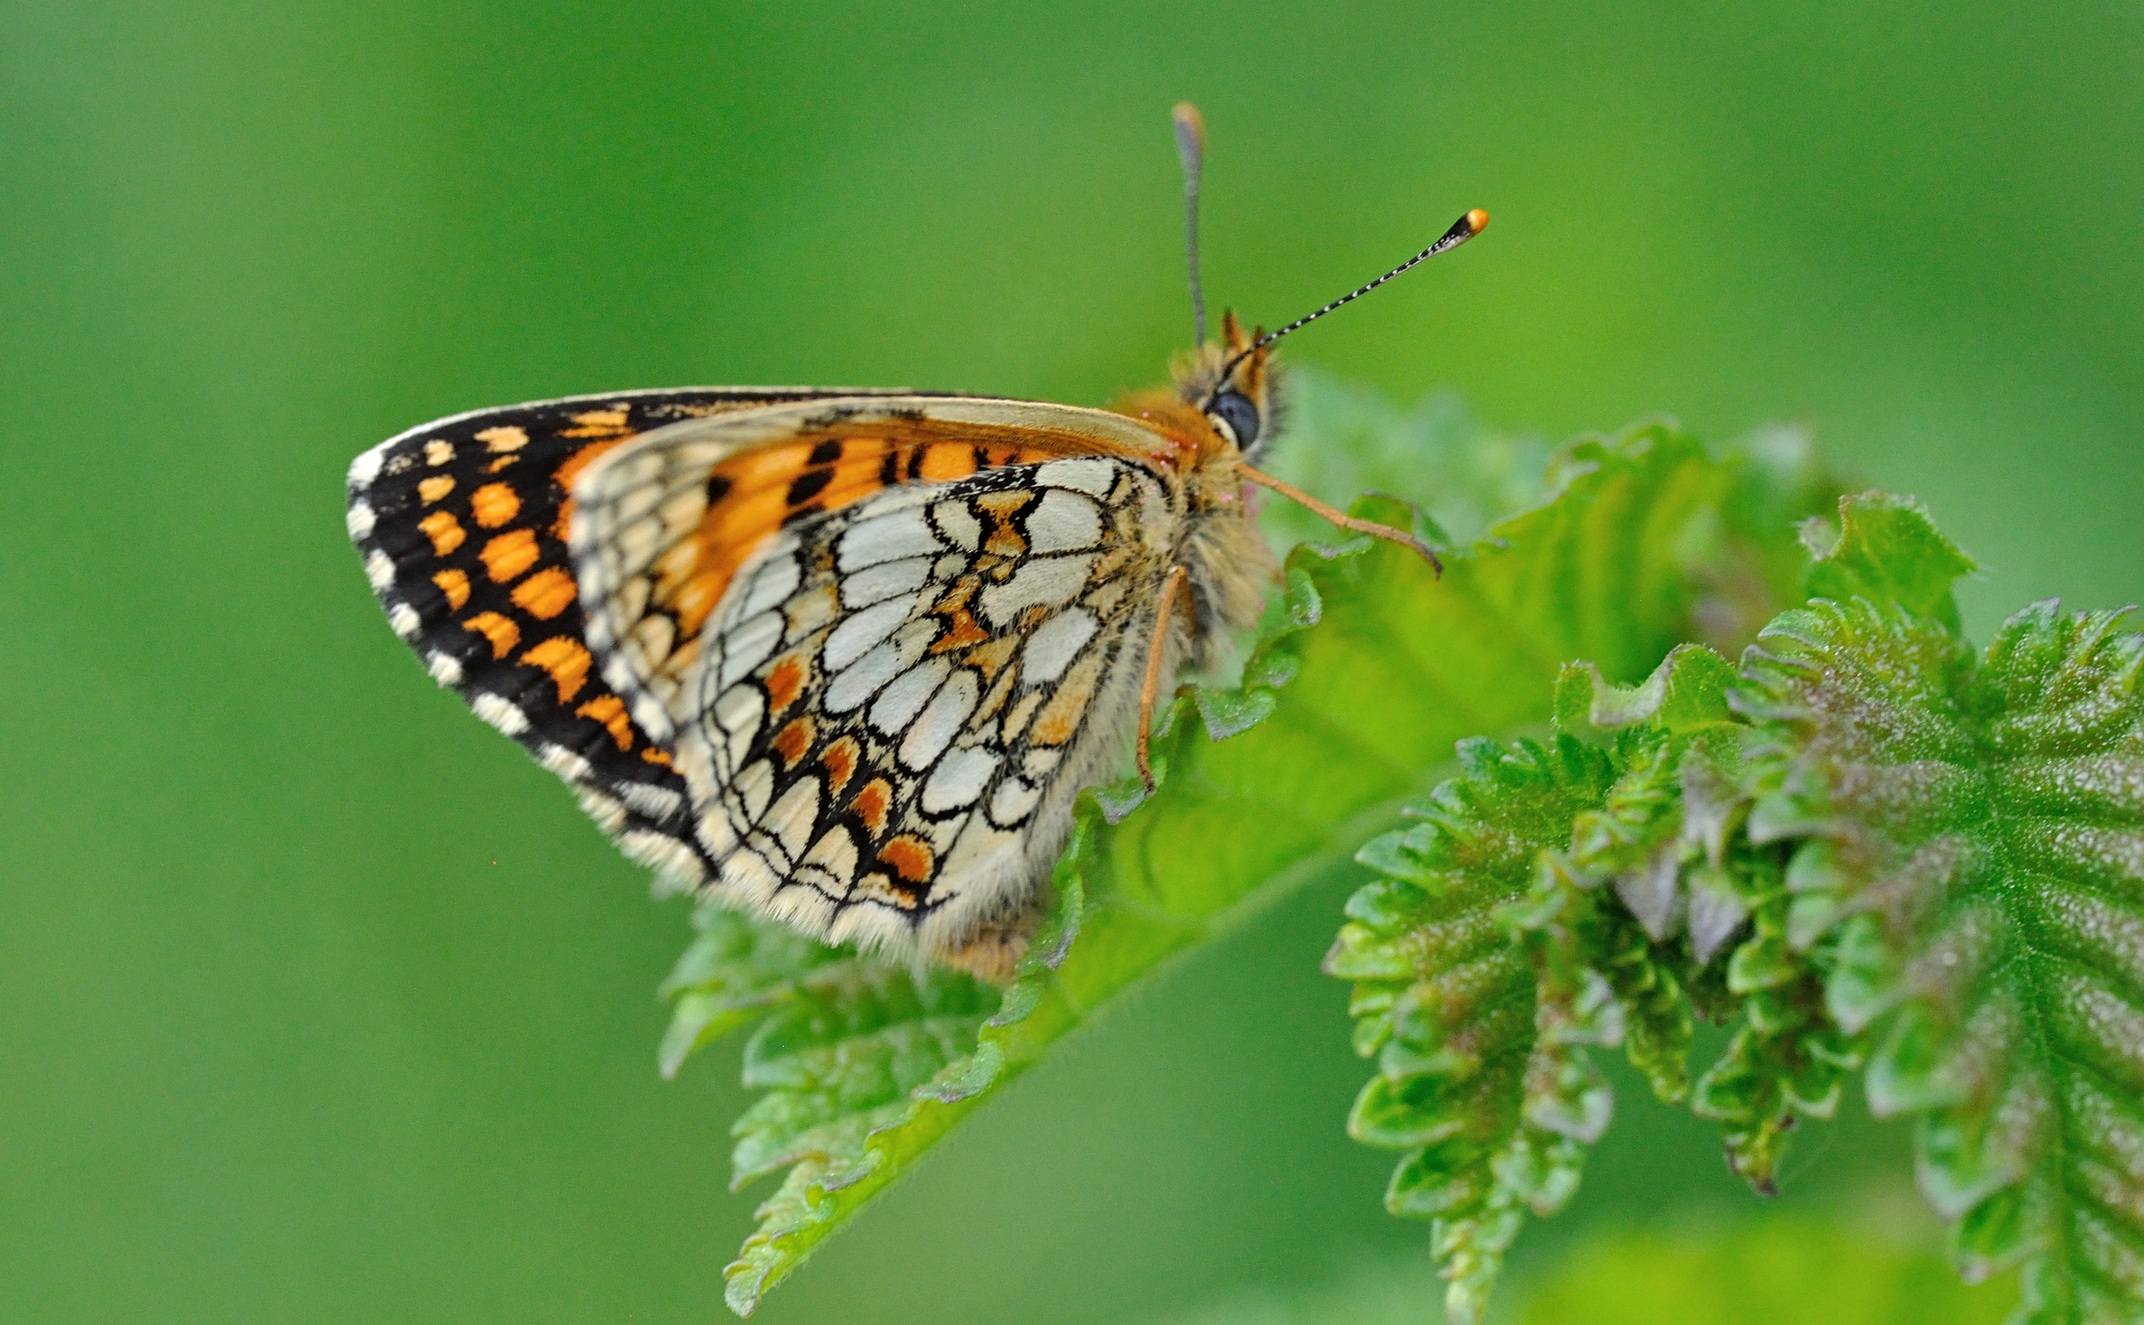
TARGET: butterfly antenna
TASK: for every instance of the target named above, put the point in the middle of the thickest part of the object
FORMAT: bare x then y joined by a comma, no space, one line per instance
1191,150
1463,229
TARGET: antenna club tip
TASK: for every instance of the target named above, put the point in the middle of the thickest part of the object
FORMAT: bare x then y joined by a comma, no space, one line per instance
1189,123
1477,221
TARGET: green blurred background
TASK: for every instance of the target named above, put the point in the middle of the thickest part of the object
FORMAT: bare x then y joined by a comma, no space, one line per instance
319,1001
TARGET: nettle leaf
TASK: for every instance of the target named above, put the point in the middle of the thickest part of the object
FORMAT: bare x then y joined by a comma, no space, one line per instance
1485,1085
1686,886
1367,672
1968,833
1870,845
1490,1094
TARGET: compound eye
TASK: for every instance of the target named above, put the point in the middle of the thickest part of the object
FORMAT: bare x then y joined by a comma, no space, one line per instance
1236,410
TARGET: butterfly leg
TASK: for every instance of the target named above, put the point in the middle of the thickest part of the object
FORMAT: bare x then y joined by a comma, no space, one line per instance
1176,583
1341,518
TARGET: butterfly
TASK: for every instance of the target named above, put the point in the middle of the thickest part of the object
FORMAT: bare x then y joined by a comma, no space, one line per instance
841,657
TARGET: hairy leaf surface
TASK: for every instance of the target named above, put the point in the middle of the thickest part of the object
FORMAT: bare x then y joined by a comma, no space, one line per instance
1971,835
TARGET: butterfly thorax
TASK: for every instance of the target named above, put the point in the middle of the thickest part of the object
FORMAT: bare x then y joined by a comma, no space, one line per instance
1222,393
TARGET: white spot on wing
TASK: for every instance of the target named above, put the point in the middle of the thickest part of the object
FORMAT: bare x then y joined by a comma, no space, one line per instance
1055,643
562,761
853,637
773,580
500,713
653,802
884,580
1093,477
747,646
1063,522
738,714
854,686
793,816
899,701
1013,801
359,519
959,524
404,619
445,668
887,537
754,787
663,853
835,852
379,571
940,721
748,872
366,467
958,779
1051,581
606,811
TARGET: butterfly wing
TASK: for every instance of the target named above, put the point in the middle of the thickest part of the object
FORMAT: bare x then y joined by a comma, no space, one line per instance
885,710
462,527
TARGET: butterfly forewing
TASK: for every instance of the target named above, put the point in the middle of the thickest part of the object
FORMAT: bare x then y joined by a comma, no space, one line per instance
462,527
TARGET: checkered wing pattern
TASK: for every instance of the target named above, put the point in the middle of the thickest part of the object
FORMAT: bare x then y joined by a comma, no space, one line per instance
885,714
462,527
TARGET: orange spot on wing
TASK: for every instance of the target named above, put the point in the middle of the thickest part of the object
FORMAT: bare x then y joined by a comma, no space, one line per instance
961,628
785,683
599,422
504,438
655,754
771,464
509,556
444,530
1060,718
839,760
946,461
566,659
909,857
872,801
793,742
494,504
545,594
455,585
432,489
990,658
502,633
610,711
999,508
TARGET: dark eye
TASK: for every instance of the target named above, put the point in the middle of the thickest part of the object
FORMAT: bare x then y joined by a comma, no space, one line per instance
1236,410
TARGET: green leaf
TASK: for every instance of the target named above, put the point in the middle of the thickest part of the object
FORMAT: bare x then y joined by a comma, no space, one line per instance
734,971
1886,549
1368,671
1486,1086
1969,834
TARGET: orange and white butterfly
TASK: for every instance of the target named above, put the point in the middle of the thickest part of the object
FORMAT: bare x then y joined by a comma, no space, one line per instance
839,657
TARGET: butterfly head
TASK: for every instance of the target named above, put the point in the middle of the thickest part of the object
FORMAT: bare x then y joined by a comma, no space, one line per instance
1230,382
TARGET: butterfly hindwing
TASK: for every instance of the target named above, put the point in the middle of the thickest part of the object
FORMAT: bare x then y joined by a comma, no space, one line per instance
900,700
462,527
884,715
